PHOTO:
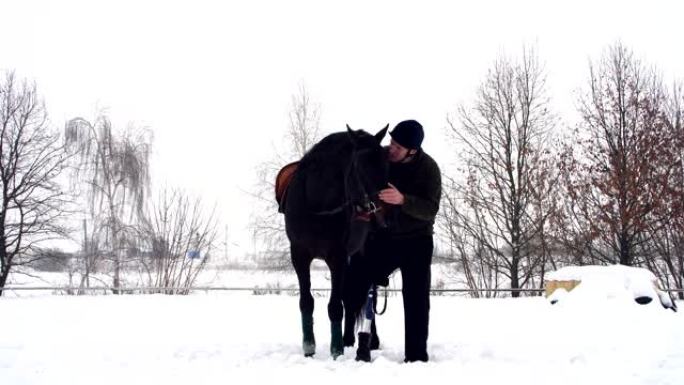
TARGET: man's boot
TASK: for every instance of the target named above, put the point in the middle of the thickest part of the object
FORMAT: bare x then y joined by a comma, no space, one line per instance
363,351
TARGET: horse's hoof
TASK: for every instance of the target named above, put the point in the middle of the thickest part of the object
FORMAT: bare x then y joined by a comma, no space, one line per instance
336,354
336,351
349,341
309,349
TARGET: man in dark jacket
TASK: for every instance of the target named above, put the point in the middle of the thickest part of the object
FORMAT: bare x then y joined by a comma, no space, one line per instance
413,195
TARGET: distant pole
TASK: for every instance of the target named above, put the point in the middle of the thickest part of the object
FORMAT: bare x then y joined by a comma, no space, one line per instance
225,243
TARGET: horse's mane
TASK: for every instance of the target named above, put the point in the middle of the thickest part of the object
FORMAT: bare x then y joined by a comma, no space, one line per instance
334,150
329,151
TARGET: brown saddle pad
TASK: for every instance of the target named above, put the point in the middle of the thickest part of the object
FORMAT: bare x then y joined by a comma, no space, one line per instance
282,181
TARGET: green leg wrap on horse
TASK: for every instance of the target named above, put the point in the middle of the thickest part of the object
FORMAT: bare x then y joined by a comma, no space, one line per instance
336,342
309,341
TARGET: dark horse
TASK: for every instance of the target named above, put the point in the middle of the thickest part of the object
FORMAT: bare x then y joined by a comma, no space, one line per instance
330,204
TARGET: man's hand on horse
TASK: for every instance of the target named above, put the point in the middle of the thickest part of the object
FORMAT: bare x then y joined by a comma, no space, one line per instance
391,195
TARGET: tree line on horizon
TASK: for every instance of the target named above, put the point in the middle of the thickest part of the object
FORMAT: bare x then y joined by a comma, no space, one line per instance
91,183
535,192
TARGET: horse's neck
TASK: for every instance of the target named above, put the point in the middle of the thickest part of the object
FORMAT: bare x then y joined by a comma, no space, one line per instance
325,185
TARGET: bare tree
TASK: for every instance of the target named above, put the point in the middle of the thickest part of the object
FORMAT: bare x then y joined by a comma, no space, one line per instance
667,258
476,267
32,158
304,130
617,169
181,237
114,168
505,141
268,227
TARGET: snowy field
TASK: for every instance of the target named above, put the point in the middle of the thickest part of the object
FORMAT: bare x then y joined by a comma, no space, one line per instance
240,338
443,276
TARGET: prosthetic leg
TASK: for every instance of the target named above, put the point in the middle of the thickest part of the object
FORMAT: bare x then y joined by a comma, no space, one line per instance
363,323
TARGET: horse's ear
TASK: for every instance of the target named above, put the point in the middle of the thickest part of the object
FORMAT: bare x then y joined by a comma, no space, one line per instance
381,134
352,135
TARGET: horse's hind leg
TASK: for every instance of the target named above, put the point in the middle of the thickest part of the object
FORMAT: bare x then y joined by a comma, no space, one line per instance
302,262
335,309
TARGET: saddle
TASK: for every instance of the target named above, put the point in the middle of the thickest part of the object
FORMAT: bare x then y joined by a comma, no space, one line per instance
282,181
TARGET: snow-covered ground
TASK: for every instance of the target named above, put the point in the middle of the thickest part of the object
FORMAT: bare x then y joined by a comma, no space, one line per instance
240,338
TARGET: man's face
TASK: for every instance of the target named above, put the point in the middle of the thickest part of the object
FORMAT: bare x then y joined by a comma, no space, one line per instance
397,152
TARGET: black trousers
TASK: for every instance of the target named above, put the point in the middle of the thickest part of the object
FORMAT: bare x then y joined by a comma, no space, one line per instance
413,257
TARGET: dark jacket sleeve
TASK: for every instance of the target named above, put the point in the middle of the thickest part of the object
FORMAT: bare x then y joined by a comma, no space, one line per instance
424,204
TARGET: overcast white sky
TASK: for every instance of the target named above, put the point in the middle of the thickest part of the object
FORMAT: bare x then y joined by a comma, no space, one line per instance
213,79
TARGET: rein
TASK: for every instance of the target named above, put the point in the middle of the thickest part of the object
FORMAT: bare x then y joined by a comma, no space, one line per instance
375,302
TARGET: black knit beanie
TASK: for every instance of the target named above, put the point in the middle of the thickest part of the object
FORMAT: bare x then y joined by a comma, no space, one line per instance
409,134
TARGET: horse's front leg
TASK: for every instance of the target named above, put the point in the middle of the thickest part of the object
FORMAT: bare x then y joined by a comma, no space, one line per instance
357,280
335,308
349,323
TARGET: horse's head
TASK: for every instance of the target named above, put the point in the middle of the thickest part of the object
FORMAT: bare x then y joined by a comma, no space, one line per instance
369,167
367,175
